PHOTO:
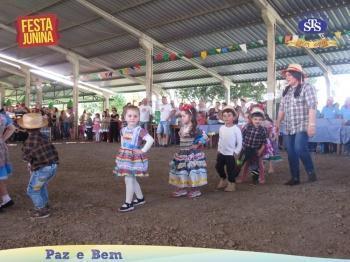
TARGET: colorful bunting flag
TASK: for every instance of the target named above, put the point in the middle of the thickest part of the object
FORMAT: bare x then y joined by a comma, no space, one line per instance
243,47
337,34
173,56
218,50
189,54
287,38
204,54
166,57
261,42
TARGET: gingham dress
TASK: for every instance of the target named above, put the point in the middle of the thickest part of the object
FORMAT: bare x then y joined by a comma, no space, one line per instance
5,166
129,163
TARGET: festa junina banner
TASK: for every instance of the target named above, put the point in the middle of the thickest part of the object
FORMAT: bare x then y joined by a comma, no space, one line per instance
84,253
39,30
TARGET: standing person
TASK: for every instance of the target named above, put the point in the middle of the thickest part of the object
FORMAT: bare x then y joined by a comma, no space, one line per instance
62,120
229,147
163,130
55,123
6,130
114,131
202,113
88,127
188,169
82,120
345,115
330,111
131,161
298,110
145,114
42,159
96,128
105,123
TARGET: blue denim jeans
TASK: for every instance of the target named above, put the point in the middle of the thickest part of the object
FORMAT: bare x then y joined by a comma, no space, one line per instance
37,187
297,148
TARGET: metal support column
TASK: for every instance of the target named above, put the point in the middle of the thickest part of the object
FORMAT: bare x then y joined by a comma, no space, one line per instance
74,60
227,85
148,47
329,90
106,101
39,95
270,22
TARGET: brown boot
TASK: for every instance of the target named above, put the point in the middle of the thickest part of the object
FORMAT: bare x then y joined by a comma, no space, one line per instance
230,187
222,184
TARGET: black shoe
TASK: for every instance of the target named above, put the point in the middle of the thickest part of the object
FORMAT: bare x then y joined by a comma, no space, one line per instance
126,207
138,201
255,176
292,183
312,177
8,204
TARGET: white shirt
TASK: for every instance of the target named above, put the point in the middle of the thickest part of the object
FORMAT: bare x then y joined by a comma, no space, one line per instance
145,112
230,140
165,111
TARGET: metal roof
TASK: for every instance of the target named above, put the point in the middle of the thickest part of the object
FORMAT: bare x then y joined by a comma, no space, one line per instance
184,25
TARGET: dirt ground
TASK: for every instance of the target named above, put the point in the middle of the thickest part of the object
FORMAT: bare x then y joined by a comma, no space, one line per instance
310,219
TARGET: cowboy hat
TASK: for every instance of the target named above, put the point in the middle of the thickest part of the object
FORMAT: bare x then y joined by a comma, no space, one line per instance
295,68
32,121
228,108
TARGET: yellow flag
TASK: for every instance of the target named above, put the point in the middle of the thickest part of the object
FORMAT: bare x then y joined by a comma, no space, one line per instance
337,34
204,54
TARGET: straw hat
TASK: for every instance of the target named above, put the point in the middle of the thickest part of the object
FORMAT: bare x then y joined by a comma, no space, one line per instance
294,68
32,121
228,108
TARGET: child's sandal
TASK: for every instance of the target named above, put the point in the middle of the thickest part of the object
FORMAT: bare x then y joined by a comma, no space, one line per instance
179,193
126,207
138,201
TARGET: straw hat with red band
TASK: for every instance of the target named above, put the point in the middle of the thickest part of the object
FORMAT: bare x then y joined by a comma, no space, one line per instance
294,68
32,121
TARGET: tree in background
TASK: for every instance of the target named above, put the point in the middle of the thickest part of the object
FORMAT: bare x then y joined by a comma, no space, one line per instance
92,107
118,101
254,91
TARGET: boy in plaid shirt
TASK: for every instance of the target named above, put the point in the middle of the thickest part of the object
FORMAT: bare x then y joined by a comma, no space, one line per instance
42,158
254,140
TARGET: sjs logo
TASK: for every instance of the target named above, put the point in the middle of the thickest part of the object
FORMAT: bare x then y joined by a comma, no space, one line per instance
312,25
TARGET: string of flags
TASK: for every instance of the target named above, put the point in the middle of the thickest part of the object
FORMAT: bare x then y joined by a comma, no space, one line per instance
325,40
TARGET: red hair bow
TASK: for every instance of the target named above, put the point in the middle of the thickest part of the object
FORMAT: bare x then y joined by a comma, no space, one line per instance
186,107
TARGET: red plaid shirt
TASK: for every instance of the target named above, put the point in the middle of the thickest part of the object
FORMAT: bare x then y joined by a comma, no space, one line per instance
254,137
38,151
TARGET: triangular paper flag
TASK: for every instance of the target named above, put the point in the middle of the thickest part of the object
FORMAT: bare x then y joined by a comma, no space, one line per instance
261,42
204,54
295,37
218,50
243,47
337,34
224,50
172,56
287,38
166,57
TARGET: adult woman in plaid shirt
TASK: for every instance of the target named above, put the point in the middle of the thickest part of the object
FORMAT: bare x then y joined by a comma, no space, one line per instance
298,109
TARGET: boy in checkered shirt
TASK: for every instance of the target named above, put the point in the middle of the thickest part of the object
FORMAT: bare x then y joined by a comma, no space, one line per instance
42,158
254,140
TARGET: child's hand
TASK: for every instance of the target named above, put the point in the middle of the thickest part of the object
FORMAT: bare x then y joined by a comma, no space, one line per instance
137,151
29,167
